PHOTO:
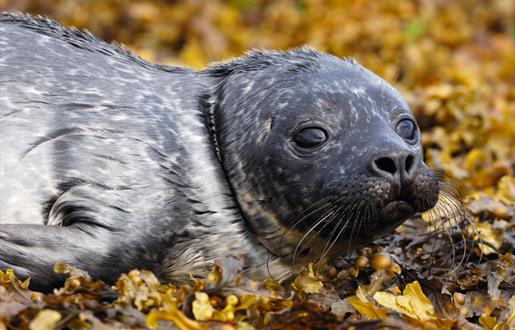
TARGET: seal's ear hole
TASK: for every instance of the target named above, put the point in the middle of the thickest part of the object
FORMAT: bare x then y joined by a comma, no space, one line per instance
310,137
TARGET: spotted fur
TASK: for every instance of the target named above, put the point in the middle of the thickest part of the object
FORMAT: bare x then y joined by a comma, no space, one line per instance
111,163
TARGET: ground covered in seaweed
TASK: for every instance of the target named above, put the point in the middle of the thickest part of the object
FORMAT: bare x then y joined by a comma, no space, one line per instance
454,63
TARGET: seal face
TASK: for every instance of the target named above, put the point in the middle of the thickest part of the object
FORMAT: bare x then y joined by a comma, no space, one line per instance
320,149
110,163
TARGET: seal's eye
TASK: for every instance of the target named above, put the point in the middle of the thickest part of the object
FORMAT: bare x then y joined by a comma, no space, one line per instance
406,129
310,137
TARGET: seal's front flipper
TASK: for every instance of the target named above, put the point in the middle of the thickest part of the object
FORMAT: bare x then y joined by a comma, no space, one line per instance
32,250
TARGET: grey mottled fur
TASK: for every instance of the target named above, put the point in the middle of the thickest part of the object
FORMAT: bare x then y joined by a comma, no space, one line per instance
110,163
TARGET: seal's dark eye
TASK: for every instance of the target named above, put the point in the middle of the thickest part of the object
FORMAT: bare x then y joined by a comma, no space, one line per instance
310,137
406,129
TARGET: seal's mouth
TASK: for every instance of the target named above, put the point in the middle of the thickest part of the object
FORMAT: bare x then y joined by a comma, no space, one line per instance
393,215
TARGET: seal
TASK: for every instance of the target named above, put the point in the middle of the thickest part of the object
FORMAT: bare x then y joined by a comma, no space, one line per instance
110,163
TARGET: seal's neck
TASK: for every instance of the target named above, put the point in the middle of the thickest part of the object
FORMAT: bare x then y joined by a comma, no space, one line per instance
261,255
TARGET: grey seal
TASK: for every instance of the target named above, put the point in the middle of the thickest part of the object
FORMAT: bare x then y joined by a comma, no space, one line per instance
110,163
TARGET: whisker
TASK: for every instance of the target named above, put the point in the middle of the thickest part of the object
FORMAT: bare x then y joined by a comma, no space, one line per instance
464,217
328,222
349,244
317,209
448,218
330,241
337,210
299,244
366,214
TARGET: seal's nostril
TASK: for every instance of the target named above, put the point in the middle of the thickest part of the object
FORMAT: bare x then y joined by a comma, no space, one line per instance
409,163
386,164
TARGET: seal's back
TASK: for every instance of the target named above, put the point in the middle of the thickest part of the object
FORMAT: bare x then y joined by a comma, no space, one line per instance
77,110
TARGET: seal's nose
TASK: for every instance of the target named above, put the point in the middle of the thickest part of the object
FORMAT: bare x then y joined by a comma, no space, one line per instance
395,164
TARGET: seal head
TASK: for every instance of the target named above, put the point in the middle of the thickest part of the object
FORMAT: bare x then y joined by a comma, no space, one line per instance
319,151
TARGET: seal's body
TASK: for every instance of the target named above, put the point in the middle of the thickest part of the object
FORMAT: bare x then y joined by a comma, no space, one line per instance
109,163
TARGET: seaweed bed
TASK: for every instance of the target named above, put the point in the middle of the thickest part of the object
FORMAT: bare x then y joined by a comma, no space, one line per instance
447,269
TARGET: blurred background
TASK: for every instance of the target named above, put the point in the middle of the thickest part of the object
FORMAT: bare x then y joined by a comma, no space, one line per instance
453,60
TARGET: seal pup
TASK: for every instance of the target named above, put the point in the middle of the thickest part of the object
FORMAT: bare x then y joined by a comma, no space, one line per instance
110,163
